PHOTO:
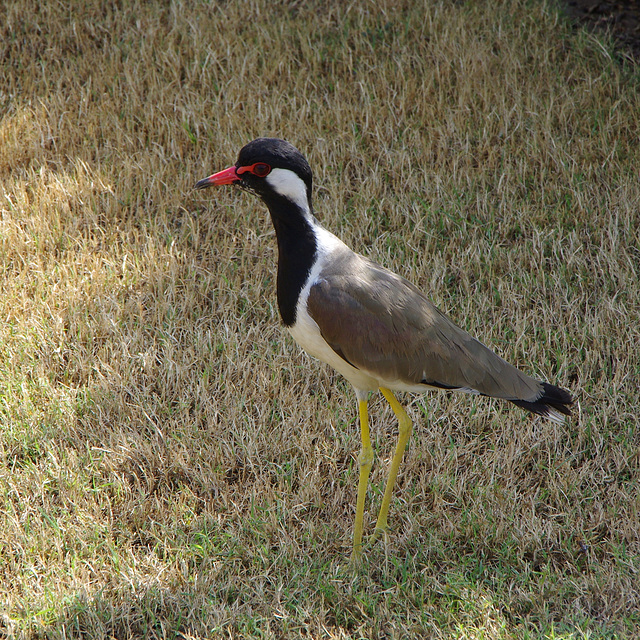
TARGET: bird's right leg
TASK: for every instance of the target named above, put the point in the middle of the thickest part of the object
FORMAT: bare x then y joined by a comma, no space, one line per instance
365,460
404,433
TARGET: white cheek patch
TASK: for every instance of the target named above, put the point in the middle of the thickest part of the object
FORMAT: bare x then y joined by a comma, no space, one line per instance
289,185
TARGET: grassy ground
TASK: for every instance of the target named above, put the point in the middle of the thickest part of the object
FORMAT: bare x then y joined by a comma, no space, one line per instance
171,466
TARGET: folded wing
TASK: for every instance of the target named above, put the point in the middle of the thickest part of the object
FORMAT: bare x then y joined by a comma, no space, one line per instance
381,323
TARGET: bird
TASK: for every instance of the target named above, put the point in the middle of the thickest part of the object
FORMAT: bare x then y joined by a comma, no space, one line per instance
371,325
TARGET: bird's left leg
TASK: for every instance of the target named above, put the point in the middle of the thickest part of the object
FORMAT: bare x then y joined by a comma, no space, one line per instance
365,460
404,433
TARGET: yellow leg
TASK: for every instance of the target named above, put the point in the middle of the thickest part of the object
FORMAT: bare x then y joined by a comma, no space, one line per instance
404,433
365,460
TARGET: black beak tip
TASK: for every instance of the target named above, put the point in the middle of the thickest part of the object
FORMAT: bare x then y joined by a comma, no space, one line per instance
202,184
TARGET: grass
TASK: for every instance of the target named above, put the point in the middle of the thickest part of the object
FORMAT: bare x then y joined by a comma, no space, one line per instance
171,466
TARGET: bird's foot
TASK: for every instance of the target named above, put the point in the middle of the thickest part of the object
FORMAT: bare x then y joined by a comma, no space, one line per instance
356,558
378,532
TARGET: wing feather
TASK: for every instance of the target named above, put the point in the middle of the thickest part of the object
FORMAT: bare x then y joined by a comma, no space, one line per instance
381,323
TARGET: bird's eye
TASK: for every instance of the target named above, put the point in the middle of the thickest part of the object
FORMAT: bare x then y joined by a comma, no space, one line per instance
259,169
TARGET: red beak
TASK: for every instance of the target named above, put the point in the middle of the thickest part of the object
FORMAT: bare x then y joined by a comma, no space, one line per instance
227,176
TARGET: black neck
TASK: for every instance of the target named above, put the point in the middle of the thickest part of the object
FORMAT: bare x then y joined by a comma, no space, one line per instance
297,250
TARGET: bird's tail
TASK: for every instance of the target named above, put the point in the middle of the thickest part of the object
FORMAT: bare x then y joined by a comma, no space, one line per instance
552,404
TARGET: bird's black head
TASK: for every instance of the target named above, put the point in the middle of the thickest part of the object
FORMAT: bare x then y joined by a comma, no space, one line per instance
271,168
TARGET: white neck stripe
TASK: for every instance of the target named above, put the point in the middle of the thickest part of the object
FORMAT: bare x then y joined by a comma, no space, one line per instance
288,184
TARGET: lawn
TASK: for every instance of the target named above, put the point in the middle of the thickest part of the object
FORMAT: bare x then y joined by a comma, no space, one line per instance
171,464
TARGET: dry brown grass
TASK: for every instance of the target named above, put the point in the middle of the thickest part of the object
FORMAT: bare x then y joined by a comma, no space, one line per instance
171,465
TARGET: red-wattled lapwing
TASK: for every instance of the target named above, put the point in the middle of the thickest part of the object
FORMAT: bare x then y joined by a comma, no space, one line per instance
373,326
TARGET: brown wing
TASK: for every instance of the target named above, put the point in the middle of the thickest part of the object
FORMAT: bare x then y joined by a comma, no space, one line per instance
381,323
